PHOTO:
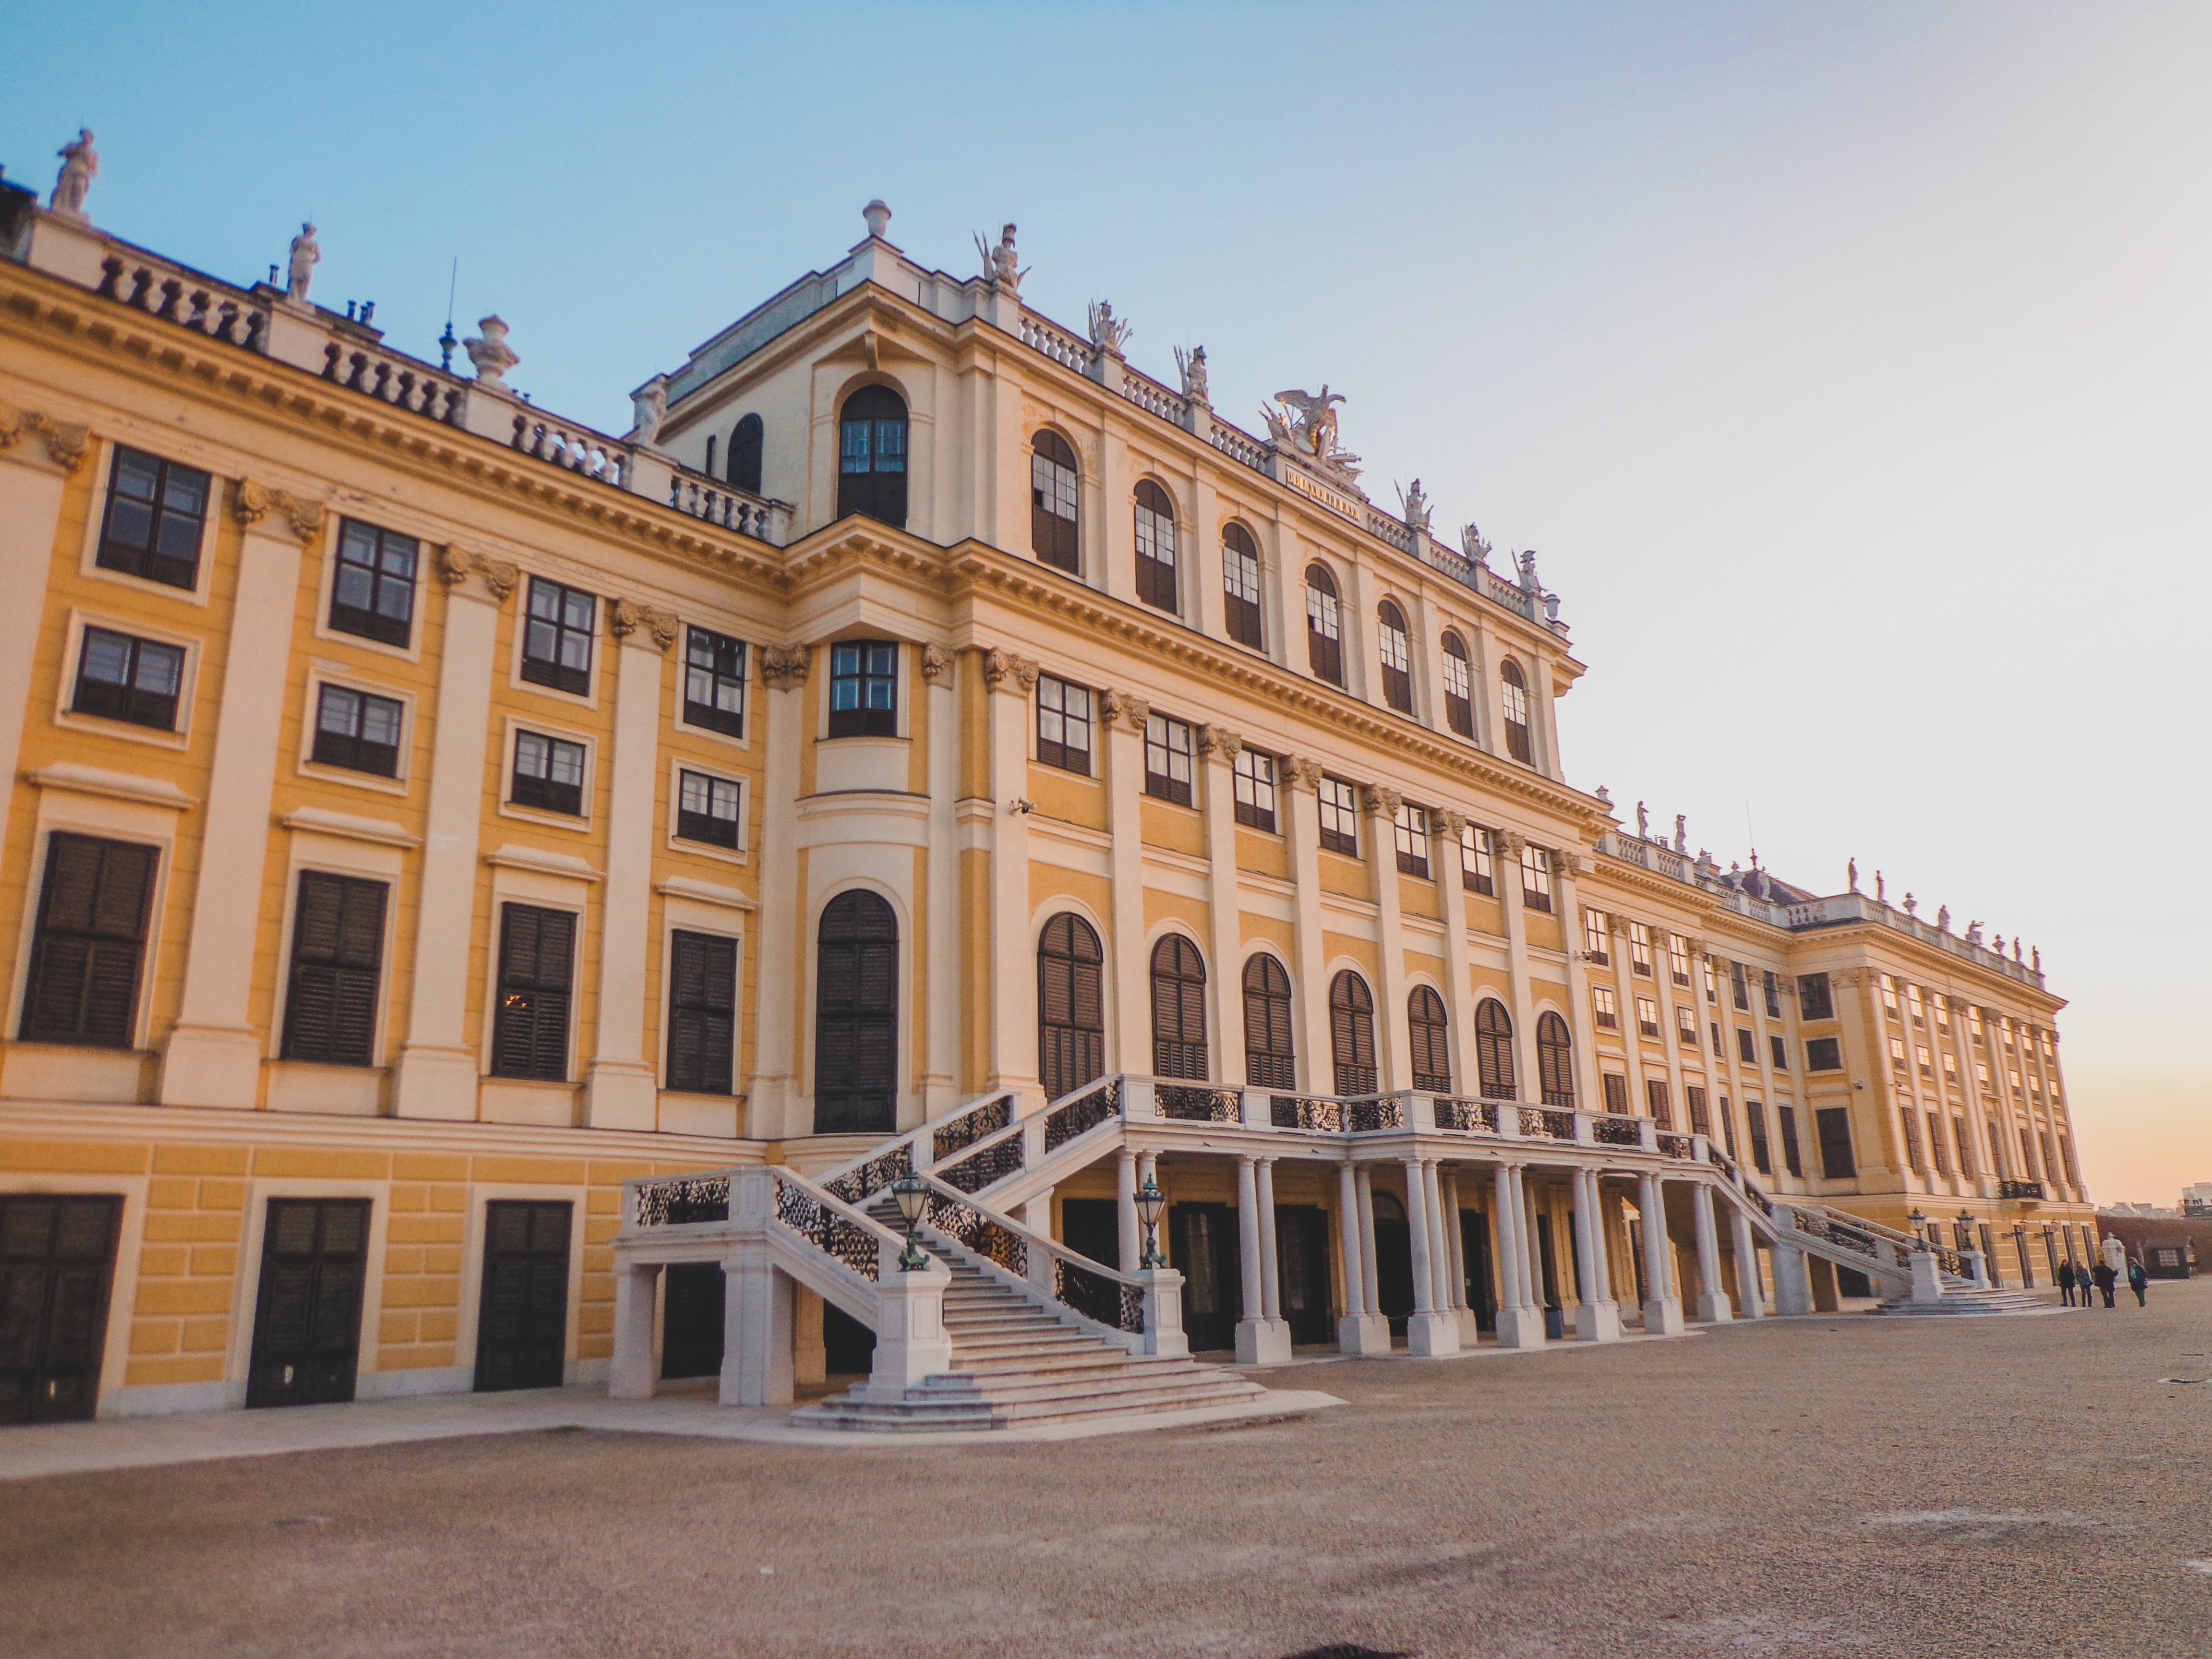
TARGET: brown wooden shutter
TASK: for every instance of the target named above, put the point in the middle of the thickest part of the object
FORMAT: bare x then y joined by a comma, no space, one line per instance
1351,1033
1270,1060
701,1012
1179,1046
530,1030
337,956
1555,1060
86,958
1494,1049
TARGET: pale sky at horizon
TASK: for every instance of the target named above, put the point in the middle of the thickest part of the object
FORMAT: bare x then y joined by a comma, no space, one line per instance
1846,362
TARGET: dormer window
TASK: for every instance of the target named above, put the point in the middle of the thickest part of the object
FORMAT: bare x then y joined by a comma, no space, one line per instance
1324,625
1397,658
1515,689
1156,548
1053,481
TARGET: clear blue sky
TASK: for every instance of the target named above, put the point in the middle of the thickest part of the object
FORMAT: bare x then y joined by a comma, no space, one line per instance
1847,363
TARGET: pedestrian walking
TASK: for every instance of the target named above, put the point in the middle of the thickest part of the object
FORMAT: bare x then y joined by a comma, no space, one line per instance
2139,1282
2066,1284
2105,1279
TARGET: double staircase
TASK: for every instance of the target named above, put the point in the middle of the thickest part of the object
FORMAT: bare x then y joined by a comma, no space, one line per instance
1969,1300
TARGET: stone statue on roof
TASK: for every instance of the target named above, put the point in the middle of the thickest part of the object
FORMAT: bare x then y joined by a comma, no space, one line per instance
1472,544
300,267
1682,832
649,408
1305,423
1942,918
1192,365
1414,504
79,167
1108,331
1000,268
1852,875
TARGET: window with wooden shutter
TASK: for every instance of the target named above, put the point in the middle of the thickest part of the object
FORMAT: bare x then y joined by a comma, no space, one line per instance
1351,1033
1834,1125
1616,1093
1397,656
337,960
1786,1118
537,967
1270,1060
1658,1101
1494,1049
856,1016
1701,1117
1513,689
1156,548
1071,1004
1432,1038
1754,1117
1324,625
1179,1046
1054,481
1458,701
1240,587
702,1013
89,947
1815,1000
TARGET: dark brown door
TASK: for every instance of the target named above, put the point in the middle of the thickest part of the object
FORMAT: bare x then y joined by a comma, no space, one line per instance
57,1266
1301,1266
522,1326
691,1320
307,1323
1203,1243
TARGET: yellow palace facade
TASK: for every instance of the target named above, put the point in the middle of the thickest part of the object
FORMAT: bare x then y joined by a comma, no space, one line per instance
426,815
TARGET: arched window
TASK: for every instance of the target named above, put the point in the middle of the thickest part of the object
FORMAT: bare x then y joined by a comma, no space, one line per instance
1240,586
1269,1060
1430,1031
872,455
1555,1060
1178,1009
1351,1033
746,452
1324,626
1516,689
1155,547
1494,1049
856,1017
1397,658
1071,1004
1459,686
1052,480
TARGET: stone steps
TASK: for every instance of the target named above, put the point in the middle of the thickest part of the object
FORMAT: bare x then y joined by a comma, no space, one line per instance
1956,1303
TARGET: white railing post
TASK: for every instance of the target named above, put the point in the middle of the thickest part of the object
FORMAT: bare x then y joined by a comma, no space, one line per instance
630,1374
1585,1130
1255,1109
911,1342
1647,1135
1164,1333
1137,1098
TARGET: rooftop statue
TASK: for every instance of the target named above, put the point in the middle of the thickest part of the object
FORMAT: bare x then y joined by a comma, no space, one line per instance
1415,502
1643,822
1192,365
1682,832
1108,331
1912,906
1851,875
299,268
1000,270
2037,952
1942,918
79,167
490,352
1974,932
649,407
1472,544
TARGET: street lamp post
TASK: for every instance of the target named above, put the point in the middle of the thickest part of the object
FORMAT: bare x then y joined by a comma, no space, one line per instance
911,1193
1149,1201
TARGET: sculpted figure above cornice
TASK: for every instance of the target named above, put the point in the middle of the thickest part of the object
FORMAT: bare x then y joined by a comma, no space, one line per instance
67,442
784,666
457,564
625,616
253,501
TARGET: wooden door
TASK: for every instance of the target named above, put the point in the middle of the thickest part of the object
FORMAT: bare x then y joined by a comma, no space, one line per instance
1202,1243
1301,1266
1394,1262
522,1322
691,1320
57,1268
1474,1237
306,1322
1093,1227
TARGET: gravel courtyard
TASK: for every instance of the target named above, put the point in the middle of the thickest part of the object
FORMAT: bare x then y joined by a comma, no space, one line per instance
1846,1484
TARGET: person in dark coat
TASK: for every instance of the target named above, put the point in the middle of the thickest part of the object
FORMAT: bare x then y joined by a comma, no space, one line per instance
2139,1282
2066,1284
2105,1279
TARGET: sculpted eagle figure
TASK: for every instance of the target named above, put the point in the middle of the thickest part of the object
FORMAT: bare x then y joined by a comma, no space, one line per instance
1316,415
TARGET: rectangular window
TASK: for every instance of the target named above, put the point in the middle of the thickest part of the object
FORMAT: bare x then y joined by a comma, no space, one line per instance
864,689
713,682
1536,878
1913,1000
1515,696
358,731
1647,1017
1477,873
1897,1052
1824,1055
1736,988
1686,1026
1714,1028
1974,1022
1889,996
548,774
1944,1014
1605,1007
708,808
1339,816
1778,1052
1616,1093
1063,715
373,589
86,955
1240,593
1814,999
1596,942
1255,789
1678,958
1773,989
1964,1142
1459,699
1927,1060
120,677
530,1025
1746,1046
1640,949
1167,759
556,637
337,958
1656,1098
1950,1068
156,510
1939,1145
702,1013
1701,1118
1754,1117
1833,1126
1705,966
1786,1116
1412,830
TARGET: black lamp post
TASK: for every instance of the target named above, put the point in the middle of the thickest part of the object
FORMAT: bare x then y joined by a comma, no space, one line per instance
1149,1201
912,1193
1965,1229
1919,1224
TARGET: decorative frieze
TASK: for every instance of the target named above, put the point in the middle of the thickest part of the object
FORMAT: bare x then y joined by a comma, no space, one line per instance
1302,772
1451,824
936,660
1220,740
1509,843
67,442
782,666
1381,801
625,616
1114,707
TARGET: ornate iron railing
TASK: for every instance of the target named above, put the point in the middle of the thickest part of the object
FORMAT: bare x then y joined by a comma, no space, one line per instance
977,1230
1111,1299
1096,1296
681,1201
1608,1130
1189,1105
851,1242
1319,1112
971,1127
858,1186
1470,1115
1544,1123
1371,1116
1679,1146
985,1165
2020,1189
1851,1239
1082,1115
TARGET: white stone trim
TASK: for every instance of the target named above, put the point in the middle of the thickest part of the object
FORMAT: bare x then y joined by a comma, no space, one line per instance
95,521
187,694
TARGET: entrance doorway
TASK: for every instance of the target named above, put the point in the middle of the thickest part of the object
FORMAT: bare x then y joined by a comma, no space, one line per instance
1394,1262
848,1348
1474,1237
691,1320
1301,1266
522,1322
1202,1243
56,1267
306,1320
1092,1227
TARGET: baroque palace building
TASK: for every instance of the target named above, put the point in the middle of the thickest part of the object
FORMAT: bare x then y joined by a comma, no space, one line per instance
485,898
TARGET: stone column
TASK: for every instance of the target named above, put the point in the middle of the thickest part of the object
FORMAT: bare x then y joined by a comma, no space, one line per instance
1751,1299
1601,1234
620,1088
1597,1319
1125,1192
1394,1046
1455,1253
1440,1231
1520,1317
1271,1274
38,452
1217,749
1529,1077
1713,1297
1371,1282
629,1374
942,948
1356,1328
1532,1255
1124,718
1793,1284
1298,781
1256,1334
1428,1332
213,1056
1662,1308
1013,988
780,1002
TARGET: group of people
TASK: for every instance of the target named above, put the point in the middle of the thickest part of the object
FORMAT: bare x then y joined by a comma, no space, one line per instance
2106,1278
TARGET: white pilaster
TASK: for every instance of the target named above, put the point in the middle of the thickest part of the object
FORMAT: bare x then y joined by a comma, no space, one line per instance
1125,1195
1393,1042
781,1003
1217,749
629,1374
1124,716
941,1080
1297,781
1012,987
37,454
1750,1297
1506,861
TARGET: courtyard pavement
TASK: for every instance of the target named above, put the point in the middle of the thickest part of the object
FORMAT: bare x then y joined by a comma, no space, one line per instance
1841,1484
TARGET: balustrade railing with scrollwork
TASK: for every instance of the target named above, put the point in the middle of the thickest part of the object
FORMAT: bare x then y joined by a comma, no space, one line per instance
975,1229
1097,1296
1082,1115
988,1164
572,448
815,1216
1545,1123
1472,1117
1322,1112
971,1127
1677,1147
2020,1189
857,1186
1186,1104
1611,1129
699,497
1374,1114
1822,1227
1113,1299
680,1200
